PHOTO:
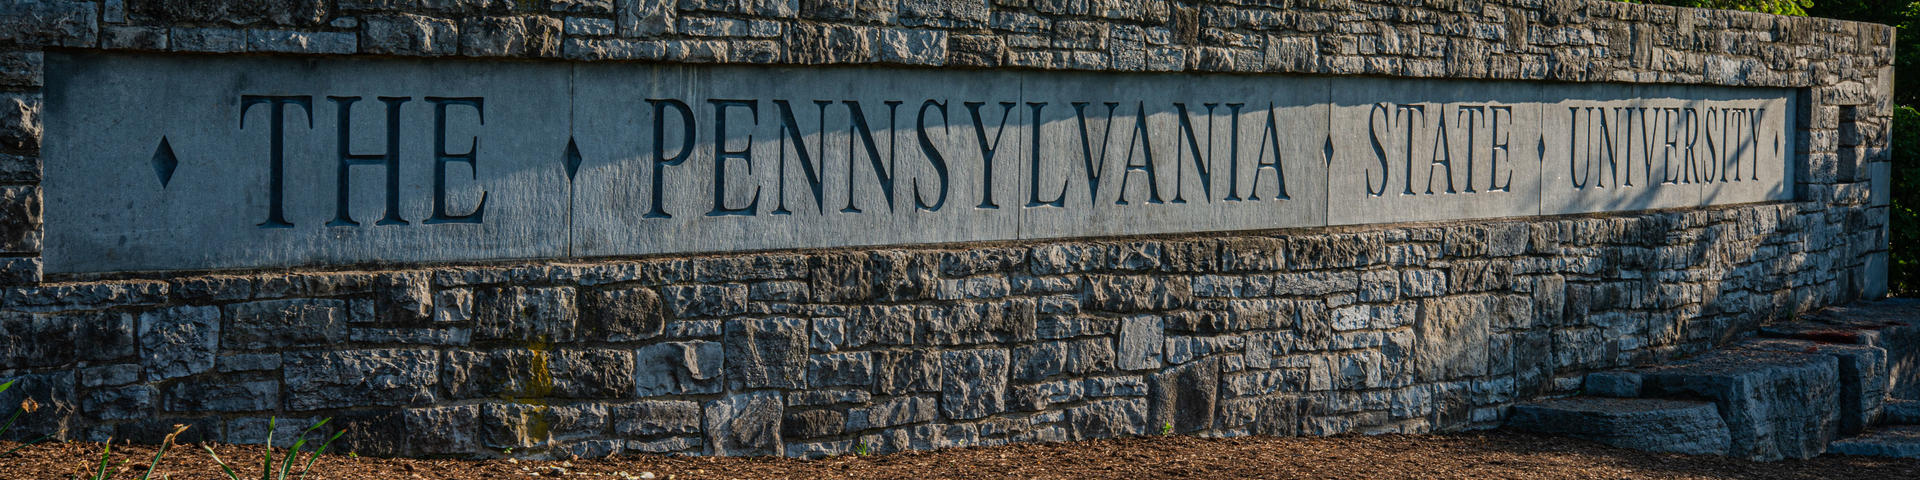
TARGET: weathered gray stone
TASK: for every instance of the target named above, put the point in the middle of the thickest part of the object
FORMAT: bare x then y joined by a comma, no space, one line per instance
893,412
812,424
531,35
678,368
179,341
968,323
706,300
766,353
510,425
578,420
109,375
450,430
1074,357
654,418
1893,441
512,373
854,369
282,431
1693,428
1862,378
592,373
273,324
1776,404
1184,398
646,17
356,378
1141,339
133,402
523,314
60,23
1902,412
908,372
98,336
1108,419
1614,384
407,34
744,424
974,383
36,340
293,41
1136,293
222,395
1452,337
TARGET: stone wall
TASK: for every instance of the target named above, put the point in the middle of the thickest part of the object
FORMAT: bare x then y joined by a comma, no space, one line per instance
1412,327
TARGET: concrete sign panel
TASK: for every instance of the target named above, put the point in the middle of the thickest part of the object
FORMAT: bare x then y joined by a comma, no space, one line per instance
203,162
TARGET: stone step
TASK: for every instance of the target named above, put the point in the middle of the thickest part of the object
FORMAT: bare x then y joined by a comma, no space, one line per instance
1902,412
1776,404
1677,426
1862,377
1902,441
1892,324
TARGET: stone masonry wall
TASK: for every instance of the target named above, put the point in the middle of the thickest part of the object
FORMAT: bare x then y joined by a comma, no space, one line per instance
1417,327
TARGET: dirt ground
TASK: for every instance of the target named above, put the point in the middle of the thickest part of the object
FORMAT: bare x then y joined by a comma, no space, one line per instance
1480,456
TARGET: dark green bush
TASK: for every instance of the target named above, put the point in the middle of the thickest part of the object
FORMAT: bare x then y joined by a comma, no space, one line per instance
1903,267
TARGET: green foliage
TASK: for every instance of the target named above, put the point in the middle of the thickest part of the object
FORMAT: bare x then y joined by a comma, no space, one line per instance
1903,236
1777,7
1166,428
286,463
106,456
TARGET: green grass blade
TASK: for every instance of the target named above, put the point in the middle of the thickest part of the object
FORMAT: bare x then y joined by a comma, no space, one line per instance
286,463
156,460
105,454
221,463
10,420
9,384
317,453
17,448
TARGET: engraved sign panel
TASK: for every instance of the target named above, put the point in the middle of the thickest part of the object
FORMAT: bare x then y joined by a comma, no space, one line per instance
204,162
187,162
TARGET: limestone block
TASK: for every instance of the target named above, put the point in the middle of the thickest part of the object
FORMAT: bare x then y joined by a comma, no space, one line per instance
1776,404
744,424
619,315
179,341
452,430
766,353
656,417
1693,428
974,383
679,368
273,324
360,378
1895,441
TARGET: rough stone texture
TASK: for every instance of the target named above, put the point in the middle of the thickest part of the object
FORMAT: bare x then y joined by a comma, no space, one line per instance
1897,441
974,383
1304,331
1902,412
767,353
677,368
1677,426
744,424
1776,404
355,378
1862,378
179,341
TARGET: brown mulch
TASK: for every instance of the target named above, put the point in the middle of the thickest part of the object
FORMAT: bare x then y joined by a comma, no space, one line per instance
1477,456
